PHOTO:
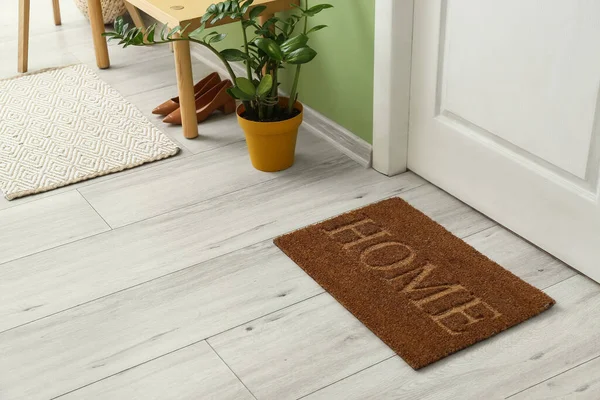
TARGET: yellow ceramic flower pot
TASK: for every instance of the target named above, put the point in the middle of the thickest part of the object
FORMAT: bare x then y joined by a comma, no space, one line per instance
272,145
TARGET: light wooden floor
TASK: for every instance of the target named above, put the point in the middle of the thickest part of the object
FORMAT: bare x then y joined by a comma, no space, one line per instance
162,282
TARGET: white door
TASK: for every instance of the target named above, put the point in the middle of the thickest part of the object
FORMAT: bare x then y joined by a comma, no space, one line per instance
505,115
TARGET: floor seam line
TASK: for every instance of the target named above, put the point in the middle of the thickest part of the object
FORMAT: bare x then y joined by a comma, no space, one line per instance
138,222
346,377
96,211
134,286
189,345
554,376
232,371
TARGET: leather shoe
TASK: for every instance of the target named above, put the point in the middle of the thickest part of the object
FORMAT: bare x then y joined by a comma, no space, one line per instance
216,98
200,88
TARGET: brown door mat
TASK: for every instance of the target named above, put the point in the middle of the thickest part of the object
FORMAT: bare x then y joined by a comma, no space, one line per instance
422,290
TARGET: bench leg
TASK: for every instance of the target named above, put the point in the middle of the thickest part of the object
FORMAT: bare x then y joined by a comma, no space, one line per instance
135,16
185,85
97,22
56,9
23,35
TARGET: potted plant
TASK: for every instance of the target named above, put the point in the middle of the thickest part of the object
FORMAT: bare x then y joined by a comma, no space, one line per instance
270,122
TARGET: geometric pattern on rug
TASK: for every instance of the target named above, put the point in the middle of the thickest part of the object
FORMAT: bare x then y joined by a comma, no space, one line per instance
66,125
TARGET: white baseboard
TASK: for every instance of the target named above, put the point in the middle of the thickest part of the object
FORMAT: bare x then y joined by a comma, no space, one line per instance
347,142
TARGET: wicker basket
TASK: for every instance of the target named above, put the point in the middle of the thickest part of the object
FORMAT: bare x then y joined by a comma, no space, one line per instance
111,9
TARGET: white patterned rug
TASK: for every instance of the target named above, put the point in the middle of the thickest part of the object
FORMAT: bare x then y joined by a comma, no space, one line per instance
66,125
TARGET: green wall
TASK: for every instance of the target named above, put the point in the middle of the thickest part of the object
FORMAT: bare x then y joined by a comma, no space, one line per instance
338,83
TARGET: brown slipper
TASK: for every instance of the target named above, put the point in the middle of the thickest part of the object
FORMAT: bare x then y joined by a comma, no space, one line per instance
216,98
200,88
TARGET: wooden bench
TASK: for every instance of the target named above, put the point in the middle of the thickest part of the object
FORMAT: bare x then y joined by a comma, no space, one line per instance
169,12
183,12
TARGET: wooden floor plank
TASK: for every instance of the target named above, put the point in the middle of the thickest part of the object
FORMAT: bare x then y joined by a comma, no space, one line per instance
582,382
304,349
192,373
295,351
135,197
121,258
120,331
46,223
447,211
522,258
561,338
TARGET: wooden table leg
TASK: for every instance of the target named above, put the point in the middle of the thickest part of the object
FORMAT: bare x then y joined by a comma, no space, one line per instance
185,85
100,46
23,35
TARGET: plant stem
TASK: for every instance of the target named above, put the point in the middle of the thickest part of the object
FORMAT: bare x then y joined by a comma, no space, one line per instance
306,20
261,113
274,90
297,77
247,61
223,60
294,90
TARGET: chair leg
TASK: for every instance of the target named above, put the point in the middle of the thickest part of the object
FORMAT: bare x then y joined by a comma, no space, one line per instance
23,35
56,9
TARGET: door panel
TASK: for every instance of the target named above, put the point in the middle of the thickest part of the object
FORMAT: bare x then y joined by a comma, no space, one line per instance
504,115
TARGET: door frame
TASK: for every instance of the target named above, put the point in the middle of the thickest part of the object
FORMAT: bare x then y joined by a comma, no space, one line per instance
391,88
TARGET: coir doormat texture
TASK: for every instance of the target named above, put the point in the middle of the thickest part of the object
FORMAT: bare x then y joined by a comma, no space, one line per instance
66,125
422,290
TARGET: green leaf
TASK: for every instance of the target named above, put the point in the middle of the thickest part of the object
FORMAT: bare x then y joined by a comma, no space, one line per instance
265,85
302,55
119,24
212,9
316,28
256,11
206,17
217,38
246,86
236,93
209,34
317,9
270,47
150,33
244,7
233,55
221,7
184,28
163,32
175,30
294,43
138,38
197,33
